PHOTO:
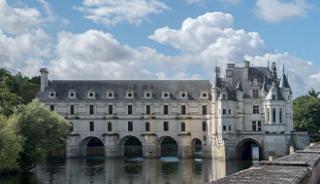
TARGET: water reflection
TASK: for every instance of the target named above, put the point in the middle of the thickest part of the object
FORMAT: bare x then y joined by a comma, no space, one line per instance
134,171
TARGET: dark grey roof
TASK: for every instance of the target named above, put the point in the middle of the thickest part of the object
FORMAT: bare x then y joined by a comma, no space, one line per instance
274,90
120,87
284,82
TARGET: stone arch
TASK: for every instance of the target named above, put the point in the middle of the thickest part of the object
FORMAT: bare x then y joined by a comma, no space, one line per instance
92,147
168,146
131,146
197,148
250,149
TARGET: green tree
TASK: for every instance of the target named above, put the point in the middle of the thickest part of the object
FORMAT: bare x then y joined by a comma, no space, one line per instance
10,146
8,100
44,132
306,115
313,93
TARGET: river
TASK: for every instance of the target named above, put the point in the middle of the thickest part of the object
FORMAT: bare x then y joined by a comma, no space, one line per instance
134,171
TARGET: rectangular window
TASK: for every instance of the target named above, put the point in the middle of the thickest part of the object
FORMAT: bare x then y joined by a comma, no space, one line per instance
268,114
130,126
110,109
183,109
224,128
229,127
129,109
204,126
224,111
165,109
255,93
51,107
254,126
165,126
273,115
204,110
71,109
91,126
182,127
109,126
280,115
259,126
91,109
255,109
229,111
148,109
147,126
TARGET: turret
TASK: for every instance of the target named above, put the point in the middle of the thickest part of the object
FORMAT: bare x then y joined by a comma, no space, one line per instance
44,79
285,87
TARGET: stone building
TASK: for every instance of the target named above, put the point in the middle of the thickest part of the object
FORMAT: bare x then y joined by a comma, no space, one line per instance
245,114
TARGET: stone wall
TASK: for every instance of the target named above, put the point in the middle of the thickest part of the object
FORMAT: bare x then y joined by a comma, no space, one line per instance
300,167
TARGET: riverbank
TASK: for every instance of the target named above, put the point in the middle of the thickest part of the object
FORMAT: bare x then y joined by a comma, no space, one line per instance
303,166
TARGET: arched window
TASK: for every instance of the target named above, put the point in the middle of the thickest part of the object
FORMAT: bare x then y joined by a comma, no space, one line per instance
147,126
109,126
183,127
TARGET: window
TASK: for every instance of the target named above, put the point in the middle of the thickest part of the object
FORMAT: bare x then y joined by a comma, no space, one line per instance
183,109
204,95
204,109
147,126
255,93
91,109
268,114
259,126
255,109
280,115
91,126
224,111
129,109
273,97
71,127
229,127
254,126
229,111
183,95
52,107
71,109
148,109
165,109
204,126
166,126
130,126
182,127
109,127
224,128
110,109
273,115
204,138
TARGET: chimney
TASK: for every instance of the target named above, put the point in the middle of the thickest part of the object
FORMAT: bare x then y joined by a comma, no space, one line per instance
44,79
246,70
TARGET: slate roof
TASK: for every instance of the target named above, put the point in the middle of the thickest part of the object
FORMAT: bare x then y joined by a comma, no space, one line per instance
194,88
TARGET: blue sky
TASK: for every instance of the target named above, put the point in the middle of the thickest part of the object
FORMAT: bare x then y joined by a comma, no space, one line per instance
145,39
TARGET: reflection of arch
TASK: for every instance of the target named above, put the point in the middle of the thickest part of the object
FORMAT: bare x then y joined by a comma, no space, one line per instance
250,149
91,147
197,148
131,146
169,146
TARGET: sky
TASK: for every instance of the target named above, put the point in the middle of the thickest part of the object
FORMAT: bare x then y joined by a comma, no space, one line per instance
160,39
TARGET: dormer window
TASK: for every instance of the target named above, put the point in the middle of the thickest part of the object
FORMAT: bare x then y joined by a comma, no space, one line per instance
165,95
52,94
72,94
91,95
183,95
130,95
148,94
110,95
204,95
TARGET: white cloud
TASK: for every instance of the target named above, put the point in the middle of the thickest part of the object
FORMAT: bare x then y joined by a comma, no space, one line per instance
279,10
18,19
111,12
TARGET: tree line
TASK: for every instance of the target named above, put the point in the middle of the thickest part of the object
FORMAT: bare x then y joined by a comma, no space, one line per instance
29,132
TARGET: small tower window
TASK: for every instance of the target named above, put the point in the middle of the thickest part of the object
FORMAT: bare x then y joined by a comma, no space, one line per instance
130,126
254,126
255,109
110,109
273,115
183,127
183,109
165,109
129,109
71,109
109,127
91,109
204,110
148,109
91,126
51,107
165,126
280,115
147,126
204,126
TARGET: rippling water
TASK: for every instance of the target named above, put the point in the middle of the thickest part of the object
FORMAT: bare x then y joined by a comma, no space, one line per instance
133,171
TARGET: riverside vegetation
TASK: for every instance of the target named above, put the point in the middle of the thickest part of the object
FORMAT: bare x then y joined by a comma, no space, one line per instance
29,132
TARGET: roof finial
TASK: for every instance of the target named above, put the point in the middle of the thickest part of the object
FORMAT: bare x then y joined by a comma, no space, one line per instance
283,68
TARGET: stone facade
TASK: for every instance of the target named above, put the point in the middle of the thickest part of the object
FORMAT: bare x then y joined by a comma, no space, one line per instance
248,105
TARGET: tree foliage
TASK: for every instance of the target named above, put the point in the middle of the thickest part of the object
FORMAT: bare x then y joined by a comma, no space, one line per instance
306,115
44,132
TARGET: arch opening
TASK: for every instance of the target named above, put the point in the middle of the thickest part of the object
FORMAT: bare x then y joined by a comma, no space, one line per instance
132,147
250,150
94,147
197,148
169,147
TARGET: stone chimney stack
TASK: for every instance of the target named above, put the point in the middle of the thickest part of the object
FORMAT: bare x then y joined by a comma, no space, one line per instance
44,79
246,70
